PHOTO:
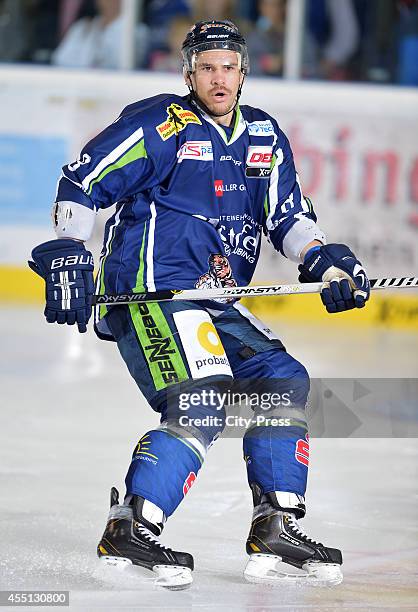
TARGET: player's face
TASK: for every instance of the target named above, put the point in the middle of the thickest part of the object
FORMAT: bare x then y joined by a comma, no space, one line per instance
216,79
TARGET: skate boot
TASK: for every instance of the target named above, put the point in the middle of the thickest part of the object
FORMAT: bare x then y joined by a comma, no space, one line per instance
276,539
131,538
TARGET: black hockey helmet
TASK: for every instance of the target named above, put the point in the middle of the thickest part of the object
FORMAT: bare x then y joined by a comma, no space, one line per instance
208,35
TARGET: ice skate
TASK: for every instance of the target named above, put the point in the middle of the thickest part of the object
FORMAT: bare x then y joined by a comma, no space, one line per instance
276,541
131,538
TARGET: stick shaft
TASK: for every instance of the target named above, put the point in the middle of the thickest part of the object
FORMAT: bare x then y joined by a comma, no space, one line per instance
239,292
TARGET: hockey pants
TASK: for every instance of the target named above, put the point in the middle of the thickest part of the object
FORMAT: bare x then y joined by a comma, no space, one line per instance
188,362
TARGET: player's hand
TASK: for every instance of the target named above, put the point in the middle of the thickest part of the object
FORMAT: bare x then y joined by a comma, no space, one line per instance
67,268
349,286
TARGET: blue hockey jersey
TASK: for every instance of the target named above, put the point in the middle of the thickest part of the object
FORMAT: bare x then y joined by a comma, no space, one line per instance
192,198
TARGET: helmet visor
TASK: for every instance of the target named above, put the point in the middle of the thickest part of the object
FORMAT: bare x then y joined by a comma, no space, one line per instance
190,54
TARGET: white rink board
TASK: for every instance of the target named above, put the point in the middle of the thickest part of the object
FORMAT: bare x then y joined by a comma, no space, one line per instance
355,148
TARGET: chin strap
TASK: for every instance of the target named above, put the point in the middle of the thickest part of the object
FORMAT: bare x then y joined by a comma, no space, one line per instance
195,98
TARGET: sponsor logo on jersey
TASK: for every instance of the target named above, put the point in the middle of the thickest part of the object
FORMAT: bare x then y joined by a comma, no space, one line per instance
209,340
220,188
143,450
201,343
219,184
258,163
240,235
159,349
224,158
259,157
188,482
260,128
200,150
177,119
302,451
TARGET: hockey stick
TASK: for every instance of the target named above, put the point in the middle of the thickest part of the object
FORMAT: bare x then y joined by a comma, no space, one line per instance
238,292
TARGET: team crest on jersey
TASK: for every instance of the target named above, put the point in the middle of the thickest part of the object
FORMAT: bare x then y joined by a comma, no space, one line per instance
219,274
177,119
258,164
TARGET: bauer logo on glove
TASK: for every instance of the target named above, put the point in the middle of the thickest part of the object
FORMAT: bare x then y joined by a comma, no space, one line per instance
72,260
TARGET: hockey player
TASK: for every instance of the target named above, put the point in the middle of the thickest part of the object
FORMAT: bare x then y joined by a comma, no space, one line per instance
196,181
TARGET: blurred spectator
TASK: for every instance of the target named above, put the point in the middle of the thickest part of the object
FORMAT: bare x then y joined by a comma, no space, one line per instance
219,9
266,41
332,39
96,42
48,20
13,31
69,12
248,10
158,15
375,59
167,35
169,59
408,43
388,49
215,9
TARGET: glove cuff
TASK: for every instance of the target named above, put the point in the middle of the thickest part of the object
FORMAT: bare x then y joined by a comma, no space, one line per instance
311,251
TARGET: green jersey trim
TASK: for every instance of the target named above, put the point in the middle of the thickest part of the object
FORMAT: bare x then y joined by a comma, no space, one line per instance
139,285
138,151
160,349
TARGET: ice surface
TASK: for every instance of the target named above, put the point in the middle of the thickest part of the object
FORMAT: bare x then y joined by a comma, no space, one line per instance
70,416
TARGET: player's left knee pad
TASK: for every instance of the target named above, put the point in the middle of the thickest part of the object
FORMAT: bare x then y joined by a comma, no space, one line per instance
164,465
166,461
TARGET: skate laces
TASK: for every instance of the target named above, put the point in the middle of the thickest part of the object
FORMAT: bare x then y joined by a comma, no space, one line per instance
294,525
148,535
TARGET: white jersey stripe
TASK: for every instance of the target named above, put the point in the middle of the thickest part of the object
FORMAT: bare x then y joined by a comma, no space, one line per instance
150,249
103,257
113,156
273,193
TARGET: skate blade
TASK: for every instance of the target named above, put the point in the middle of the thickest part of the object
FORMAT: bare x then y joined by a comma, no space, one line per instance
268,569
120,563
173,577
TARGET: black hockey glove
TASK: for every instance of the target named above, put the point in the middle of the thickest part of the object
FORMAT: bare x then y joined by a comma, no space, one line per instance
349,286
67,268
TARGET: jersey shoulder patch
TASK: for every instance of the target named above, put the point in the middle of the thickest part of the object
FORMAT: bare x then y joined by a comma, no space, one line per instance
165,115
178,117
